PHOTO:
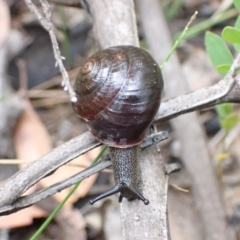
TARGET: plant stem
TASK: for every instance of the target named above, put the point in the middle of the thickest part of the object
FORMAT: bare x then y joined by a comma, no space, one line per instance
179,40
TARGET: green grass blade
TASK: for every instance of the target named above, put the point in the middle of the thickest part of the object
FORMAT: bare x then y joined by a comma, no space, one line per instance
177,42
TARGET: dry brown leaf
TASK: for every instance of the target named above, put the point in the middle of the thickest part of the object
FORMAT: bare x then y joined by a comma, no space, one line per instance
67,171
32,141
21,218
31,138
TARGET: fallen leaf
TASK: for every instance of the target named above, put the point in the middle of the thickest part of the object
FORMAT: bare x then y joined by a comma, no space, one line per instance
67,171
22,218
32,140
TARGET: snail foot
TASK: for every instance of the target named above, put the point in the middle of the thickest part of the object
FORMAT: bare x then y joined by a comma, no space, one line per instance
123,189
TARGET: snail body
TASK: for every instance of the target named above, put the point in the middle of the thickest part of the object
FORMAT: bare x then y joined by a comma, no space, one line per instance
118,91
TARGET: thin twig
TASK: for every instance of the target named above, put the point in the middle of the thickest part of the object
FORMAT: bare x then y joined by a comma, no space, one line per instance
21,161
29,200
52,161
226,90
15,186
45,94
177,42
179,188
13,161
47,23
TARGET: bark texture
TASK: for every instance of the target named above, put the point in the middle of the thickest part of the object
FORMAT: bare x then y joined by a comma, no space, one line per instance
115,24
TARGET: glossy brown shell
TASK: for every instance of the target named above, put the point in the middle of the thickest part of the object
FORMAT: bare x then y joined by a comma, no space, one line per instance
118,91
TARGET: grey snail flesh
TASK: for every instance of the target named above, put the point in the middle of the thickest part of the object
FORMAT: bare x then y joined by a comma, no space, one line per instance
119,91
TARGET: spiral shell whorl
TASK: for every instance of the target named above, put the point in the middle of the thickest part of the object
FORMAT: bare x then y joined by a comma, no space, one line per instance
89,76
94,84
120,95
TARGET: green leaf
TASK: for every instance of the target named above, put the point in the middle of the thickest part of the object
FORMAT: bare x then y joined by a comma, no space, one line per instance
231,34
223,68
230,122
223,110
237,26
217,50
237,4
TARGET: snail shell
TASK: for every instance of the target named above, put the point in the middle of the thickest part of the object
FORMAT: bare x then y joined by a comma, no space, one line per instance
119,91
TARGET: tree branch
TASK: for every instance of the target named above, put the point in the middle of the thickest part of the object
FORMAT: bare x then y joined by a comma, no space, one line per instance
26,201
15,186
226,90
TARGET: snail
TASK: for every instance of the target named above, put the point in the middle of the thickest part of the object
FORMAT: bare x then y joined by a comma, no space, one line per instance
118,94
